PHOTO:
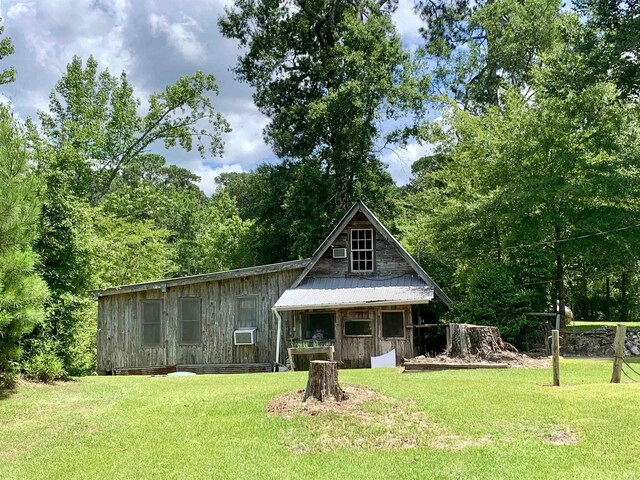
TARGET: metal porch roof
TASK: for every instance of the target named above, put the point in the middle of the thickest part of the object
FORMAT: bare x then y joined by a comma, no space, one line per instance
317,293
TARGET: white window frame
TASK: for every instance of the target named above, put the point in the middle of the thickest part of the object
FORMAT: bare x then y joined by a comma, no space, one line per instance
353,250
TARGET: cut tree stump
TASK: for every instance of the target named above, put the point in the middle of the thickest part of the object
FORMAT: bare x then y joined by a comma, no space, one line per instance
323,382
477,340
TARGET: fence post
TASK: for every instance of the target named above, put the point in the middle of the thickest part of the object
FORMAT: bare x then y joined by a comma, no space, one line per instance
555,351
618,347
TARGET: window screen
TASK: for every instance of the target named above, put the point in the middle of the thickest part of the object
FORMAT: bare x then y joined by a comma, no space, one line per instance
151,322
190,320
318,326
362,250
358,327
247,311
393,324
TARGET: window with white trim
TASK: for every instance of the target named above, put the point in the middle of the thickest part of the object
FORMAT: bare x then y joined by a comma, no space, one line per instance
362,250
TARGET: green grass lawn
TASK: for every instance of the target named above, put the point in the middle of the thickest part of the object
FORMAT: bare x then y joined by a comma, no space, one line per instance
209,426
581,326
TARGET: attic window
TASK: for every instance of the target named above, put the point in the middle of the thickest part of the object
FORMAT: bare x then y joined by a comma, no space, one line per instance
362,250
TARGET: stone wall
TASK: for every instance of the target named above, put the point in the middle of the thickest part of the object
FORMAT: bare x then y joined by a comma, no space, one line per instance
598,342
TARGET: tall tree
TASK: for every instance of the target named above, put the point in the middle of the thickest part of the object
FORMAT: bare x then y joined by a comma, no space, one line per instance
96,114
480,48
328,74
22,291
541,173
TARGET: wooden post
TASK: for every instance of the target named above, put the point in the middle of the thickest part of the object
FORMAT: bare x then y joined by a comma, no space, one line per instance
618,347
555,349
323,382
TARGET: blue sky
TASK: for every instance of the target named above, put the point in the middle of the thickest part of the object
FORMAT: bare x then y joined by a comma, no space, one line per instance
155,42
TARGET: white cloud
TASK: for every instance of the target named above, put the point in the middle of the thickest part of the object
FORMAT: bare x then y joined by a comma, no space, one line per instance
408,24
208,173
245,144
26,8
401,160
180,36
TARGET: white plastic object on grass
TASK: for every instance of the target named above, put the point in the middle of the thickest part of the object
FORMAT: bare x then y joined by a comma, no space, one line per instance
384,361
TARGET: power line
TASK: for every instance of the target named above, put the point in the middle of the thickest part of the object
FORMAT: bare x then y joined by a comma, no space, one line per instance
535,244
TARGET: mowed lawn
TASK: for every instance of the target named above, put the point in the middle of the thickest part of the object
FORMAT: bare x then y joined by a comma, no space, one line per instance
216,426
582,326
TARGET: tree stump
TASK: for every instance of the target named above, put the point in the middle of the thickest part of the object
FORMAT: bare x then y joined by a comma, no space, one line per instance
323,382
477,340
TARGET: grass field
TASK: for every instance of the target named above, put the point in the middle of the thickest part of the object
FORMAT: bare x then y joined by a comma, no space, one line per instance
580,326
467,424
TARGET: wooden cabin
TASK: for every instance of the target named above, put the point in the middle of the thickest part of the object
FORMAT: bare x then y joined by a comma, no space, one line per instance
361,292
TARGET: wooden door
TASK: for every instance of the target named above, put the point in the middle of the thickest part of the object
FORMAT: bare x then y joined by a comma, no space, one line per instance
358,338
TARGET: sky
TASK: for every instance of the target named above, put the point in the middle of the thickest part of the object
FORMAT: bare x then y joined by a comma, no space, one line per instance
156,42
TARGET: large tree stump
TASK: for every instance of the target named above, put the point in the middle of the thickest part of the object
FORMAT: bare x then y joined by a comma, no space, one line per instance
477,340
323,382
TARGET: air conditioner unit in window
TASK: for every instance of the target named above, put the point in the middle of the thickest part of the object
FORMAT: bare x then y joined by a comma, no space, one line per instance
339,253
244,336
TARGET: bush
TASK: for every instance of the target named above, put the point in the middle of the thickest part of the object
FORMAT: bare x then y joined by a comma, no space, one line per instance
491,298
9,376
43,364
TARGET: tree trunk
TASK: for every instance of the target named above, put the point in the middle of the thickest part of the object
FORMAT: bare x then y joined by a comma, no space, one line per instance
323,382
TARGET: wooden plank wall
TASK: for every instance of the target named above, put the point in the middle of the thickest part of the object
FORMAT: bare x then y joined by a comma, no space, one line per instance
388,261
356,352
120,324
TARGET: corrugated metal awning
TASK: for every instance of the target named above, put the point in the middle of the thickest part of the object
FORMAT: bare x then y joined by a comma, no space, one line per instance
319,293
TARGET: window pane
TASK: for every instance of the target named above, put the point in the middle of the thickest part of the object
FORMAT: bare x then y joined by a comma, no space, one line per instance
392,324
191,332
358,328
151,334
151,312
190,309
248,311
318,326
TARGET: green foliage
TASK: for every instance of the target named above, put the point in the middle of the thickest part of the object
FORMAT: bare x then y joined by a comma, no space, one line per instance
96,115
44,364
7,75
610,42
219,239
22,291
292,207
129,251
490,297
327,74
481,48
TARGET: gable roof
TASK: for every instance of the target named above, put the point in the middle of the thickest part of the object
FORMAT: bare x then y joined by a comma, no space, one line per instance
359,206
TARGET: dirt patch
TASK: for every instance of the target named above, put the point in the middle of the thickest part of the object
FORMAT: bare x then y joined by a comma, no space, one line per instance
291,403
368,420
561,436
510,359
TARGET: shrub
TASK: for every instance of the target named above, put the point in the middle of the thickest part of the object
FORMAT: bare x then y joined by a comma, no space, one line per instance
43,364
491,298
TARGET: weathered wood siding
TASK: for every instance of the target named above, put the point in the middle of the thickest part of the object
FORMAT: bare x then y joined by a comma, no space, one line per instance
356,351
387,260
120,324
